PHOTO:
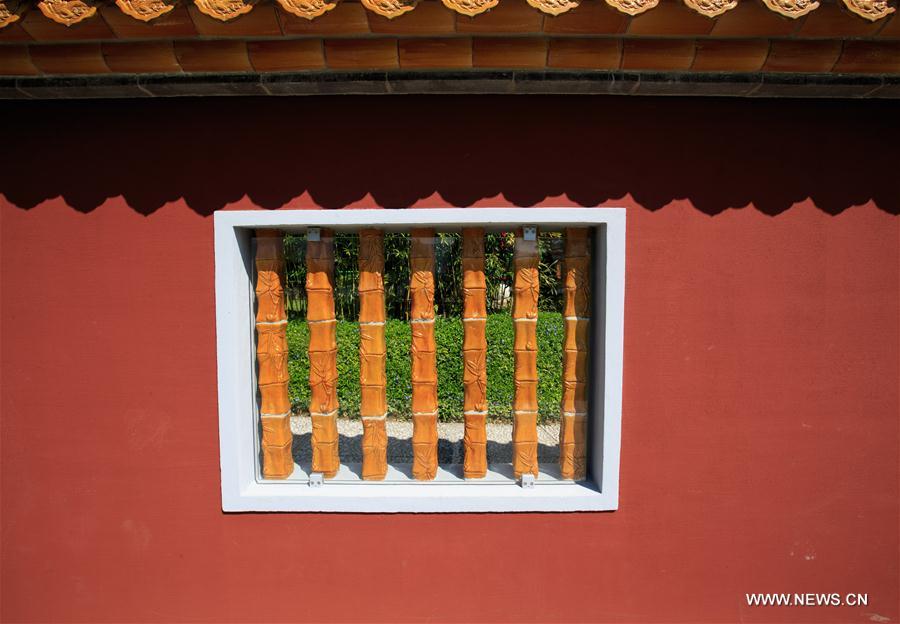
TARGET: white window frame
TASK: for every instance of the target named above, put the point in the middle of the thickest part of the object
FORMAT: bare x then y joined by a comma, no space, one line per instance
242,487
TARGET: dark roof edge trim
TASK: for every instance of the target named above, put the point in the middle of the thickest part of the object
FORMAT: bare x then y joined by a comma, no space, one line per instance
455,82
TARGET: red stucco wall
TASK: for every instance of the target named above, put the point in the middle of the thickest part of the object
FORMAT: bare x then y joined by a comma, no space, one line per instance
760,426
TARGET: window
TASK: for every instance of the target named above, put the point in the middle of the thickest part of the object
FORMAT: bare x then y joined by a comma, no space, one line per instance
244,407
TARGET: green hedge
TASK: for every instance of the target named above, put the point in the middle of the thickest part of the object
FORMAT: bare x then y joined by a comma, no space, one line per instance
449,336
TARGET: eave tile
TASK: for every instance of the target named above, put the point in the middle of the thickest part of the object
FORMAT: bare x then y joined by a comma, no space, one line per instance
42,29
802,56
509,53
430,17
213,56
69,58
176,24
135,57
286,55
670,18
445,53
832,20
869,57
361,53
750,18
574,53
260,22
731,55
510,16
347,18
591,17
658,54
15,61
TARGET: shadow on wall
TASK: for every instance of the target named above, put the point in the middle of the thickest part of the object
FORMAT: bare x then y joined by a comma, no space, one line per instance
399,451
717,153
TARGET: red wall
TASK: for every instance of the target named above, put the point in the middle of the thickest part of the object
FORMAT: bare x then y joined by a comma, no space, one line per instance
760,426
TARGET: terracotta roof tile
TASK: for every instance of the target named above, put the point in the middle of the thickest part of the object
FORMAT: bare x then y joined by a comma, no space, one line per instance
260,22
361,53
134,57
869,57
16,61
213,56
658,54
286,55
891,29
670,18
592,17
750,18
509,53
734,55
436,53
43,29
510,16
833,20
176,23
69,58
14,32
571,53
430,17
802,56
347,18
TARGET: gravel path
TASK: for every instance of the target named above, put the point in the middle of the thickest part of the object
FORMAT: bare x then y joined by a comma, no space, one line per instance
450,446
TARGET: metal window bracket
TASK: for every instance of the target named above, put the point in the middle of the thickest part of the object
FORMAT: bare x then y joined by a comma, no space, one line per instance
313,234
527,481
529,232
316,480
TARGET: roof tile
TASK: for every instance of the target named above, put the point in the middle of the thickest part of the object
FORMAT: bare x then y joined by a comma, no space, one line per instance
572,53
134,57
436,53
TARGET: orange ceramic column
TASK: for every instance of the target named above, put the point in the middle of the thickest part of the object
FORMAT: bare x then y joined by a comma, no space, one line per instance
372,354
323,401
573,423
526,287
424,365
474,354
271,356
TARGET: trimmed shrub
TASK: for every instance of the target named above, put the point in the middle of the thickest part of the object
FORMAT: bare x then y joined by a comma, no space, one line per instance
449,338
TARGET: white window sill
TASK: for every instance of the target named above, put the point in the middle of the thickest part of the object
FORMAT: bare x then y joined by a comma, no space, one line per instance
243,489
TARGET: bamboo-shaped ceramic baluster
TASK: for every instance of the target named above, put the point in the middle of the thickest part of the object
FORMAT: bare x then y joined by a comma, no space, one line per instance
526,287
424,365
372,354
323,401
577,312
474,354
272,355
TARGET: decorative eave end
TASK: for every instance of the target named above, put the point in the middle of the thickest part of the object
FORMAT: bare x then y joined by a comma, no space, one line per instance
224,10
10,12
144,10
792,8
390,8
872,10
66,12
711,8
554,7
470,7
632,7
308,9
